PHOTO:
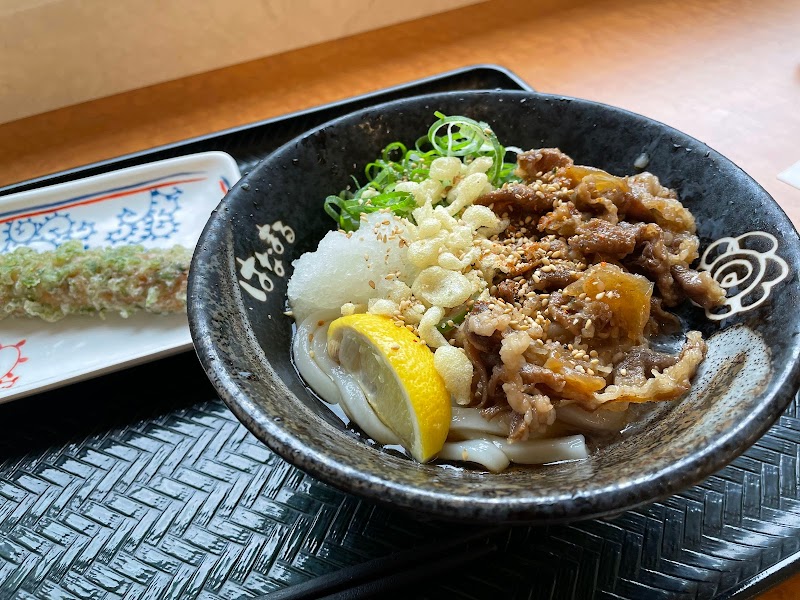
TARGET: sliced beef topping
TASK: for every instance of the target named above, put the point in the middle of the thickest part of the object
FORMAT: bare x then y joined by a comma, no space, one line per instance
638,364
579,316
534,375
651,258
606,240
699,286
572,304
662,321
507,289
516,197
535,164
632,208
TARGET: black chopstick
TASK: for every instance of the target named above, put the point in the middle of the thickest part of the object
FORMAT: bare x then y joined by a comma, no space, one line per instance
416,574
387,572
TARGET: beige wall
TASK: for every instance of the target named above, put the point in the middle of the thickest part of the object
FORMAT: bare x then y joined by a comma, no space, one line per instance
54,53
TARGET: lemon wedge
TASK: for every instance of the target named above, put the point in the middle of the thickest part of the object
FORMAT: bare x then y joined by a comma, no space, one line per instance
396,372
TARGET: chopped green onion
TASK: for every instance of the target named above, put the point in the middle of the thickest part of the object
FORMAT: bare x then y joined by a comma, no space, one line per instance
347,211
466,137
455,318
448,136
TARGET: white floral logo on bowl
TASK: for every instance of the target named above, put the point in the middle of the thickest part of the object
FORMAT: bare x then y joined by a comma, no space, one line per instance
747,267
274,235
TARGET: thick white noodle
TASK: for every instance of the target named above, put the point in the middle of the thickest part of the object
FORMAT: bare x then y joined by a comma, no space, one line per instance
307,358
537,452
320,344
487,451
598,420
356,406
330,381
468,422
482,452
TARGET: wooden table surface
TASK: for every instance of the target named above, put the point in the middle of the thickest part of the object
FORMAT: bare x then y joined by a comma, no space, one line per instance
724,71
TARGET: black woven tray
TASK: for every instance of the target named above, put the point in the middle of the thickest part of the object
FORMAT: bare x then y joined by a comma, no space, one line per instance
141,484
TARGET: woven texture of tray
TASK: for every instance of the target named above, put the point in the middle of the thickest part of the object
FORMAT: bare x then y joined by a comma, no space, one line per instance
142,485
190,505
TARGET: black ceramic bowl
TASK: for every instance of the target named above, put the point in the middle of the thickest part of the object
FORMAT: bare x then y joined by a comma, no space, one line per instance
237,299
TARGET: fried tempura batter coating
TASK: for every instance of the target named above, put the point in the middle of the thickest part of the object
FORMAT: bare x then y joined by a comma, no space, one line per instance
96,281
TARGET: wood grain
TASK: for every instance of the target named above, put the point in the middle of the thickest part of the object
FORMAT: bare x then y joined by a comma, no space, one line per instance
717,70
724,71
60,52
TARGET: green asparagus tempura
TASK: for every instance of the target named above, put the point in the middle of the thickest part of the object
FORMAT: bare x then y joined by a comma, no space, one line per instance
95,281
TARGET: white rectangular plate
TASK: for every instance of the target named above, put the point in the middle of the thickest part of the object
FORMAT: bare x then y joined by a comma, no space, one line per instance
157,205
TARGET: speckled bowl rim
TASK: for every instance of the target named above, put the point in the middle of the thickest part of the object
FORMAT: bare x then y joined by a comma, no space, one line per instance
535,509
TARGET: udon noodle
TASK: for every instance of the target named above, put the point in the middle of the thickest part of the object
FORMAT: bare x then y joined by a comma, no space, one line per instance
538,284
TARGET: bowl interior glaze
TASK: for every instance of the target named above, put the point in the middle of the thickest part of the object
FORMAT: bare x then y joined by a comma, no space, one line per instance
237,299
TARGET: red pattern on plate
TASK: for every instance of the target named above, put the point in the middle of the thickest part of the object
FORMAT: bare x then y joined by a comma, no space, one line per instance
10,357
